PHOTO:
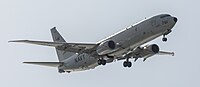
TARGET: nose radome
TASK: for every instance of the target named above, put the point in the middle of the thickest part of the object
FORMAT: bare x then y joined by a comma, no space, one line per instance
175,19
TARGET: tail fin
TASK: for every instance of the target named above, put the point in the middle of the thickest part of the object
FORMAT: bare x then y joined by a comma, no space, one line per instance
62,55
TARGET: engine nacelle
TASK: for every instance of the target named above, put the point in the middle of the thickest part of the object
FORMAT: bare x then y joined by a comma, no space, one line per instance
146,51
153,48
106,47
149,50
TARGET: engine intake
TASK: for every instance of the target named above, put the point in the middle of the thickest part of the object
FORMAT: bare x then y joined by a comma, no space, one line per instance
150,50
111,44
154,48
106,47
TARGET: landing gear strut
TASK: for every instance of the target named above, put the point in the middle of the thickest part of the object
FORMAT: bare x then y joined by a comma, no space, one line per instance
101,62
127,63
164,39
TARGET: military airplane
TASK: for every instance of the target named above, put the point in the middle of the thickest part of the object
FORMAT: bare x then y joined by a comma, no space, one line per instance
123,45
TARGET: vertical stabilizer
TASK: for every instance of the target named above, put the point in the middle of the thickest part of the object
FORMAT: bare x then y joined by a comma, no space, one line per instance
62,55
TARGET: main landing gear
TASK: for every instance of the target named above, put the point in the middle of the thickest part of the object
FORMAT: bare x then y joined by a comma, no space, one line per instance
101,62
63,71
127,63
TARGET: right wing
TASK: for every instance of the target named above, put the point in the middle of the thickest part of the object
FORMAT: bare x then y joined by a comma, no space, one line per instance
165,53
50,64
141,52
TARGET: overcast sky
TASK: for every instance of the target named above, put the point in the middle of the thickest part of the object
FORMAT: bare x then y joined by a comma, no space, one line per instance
91,21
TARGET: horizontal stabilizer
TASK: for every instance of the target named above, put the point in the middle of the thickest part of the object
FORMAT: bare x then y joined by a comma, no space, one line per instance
50,64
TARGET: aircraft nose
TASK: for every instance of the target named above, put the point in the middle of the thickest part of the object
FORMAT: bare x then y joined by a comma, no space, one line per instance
175,19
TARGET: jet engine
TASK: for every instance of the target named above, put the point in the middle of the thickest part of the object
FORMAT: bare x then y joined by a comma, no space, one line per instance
106,47
149,50
143,52
154,48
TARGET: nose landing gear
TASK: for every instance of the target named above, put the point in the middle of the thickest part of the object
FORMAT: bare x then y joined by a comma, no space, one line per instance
164,39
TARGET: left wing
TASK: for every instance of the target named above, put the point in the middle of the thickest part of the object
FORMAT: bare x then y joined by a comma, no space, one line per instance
71,47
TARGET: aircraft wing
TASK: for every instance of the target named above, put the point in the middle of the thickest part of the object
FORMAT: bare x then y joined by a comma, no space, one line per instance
165,53
50,64
144,52
71,47
44,43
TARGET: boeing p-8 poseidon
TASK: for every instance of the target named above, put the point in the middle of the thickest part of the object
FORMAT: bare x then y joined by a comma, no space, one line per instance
123,45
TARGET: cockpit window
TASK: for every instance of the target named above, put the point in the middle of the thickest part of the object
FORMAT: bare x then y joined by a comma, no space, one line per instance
164,16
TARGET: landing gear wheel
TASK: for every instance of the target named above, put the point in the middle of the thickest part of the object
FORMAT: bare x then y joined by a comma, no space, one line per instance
101,62
125,63
61,71
164,39
129,64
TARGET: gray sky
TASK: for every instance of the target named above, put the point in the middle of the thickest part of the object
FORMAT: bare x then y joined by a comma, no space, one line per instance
91,21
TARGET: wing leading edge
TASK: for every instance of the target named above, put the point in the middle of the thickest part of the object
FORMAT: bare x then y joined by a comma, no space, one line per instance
71,47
